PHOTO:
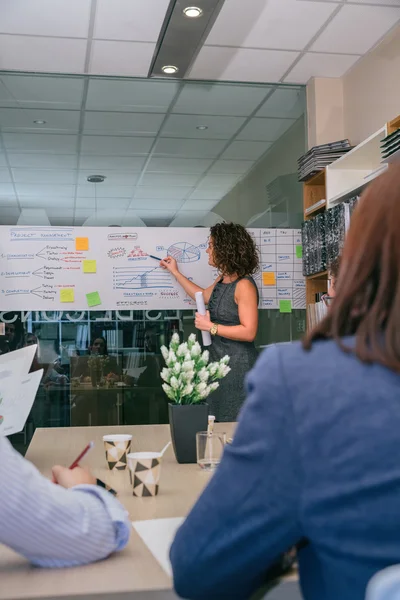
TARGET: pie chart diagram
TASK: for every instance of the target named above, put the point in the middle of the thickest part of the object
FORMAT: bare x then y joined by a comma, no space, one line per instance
184,252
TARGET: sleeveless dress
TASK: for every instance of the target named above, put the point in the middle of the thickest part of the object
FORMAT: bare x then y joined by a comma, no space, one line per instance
226,401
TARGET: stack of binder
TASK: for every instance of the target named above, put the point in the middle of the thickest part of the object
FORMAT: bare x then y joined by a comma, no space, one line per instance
390,146
320,157
314,246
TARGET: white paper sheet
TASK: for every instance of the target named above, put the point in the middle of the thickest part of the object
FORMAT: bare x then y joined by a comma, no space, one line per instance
17,389
17,409
158,535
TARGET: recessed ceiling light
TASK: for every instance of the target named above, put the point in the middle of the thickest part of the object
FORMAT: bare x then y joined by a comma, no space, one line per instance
39,122
192,12
202,127
169,69
96,178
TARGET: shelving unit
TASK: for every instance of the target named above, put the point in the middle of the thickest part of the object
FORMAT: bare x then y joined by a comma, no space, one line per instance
343,179
314,192
348,175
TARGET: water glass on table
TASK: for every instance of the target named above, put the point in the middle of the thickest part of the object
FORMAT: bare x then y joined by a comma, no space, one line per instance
210,448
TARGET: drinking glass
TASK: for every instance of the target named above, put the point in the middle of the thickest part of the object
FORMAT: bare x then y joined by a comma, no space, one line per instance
210,448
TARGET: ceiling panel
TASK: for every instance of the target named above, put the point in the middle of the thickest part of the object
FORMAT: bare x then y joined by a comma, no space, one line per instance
120,58
24,119
44,190
320,65
378,2
178,165
41,91
5,176
3,162
196,204
159,193
8,201
27,53
122,123
44,176
218,180
209,194
104,190
222,128
355,29
117,146
189,148
239,167
284,103
130,20
224,99
46,17
132,96
156,204
41,142
43,161
272,24
267,130
133,164
161,179
233,64
246,150
90,204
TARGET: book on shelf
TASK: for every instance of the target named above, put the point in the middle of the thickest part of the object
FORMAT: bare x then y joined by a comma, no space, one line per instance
316,313
319,157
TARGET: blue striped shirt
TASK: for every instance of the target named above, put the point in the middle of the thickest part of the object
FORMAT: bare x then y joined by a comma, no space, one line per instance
52,526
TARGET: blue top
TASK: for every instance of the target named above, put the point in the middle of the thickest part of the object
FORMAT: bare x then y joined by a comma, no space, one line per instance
316,455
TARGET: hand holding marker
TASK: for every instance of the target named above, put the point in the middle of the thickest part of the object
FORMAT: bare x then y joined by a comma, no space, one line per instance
201,309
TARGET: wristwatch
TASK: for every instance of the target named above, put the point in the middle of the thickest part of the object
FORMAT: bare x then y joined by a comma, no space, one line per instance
214,329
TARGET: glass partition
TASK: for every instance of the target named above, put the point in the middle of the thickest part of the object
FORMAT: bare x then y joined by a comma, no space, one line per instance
84,150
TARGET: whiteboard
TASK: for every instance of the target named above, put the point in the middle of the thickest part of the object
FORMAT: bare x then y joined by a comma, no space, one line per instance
99,268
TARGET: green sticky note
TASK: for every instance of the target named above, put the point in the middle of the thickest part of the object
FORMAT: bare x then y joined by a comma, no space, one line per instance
89,266
299,251
93,299
285,306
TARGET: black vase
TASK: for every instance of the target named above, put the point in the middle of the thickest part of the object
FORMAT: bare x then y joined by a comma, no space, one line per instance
185,421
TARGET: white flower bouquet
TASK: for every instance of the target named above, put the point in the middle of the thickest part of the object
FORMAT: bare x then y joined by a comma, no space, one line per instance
188,376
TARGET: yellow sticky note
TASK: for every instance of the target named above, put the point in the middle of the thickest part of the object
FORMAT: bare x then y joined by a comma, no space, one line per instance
82,243
269,278
93,299
89,266
285,306
67,295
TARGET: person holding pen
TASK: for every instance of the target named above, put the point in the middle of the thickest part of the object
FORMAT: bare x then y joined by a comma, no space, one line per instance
72,523
232,318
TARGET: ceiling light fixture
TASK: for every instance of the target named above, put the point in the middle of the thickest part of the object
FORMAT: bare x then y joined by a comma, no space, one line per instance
169,69
192,12
40,122
202,127
96,178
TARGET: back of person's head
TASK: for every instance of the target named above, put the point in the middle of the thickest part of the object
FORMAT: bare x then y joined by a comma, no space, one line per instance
234,250
367,302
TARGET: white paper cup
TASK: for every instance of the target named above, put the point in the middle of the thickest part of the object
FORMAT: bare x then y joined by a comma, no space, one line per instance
117,447
144,473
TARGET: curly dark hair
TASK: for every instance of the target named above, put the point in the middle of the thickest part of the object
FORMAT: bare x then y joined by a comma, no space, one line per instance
234,250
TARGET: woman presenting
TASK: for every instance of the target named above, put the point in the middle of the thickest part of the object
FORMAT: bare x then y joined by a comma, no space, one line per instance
232,318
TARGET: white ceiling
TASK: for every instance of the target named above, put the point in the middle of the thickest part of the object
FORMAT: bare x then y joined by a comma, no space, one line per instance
252,40
141,135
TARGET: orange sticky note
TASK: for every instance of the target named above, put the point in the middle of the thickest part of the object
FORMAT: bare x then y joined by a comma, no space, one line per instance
82,243
67,295
89,266
269,278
